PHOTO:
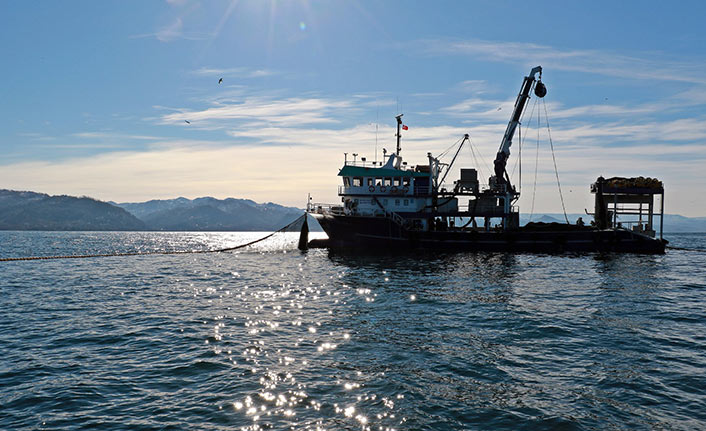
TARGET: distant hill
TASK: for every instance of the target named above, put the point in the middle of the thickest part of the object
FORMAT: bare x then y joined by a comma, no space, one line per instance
207,213
39,211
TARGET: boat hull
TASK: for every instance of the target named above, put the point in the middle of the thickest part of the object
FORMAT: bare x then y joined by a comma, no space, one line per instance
376,233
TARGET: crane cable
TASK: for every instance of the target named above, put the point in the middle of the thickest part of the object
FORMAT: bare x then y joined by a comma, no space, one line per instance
519,159
556,171
475,159
449,149
519,127
536,165
148,253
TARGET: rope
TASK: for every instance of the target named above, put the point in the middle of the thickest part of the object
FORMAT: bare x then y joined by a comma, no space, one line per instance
475,159
148,253
536,165
519,157
448,149
556,171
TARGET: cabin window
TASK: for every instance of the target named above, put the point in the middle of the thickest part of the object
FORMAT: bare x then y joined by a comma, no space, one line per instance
388,182
396,182
384,202
357,181
397,202
347,181
370,181
411,201
378,181
405,181
406,202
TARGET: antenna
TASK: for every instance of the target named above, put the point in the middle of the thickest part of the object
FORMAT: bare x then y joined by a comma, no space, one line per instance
377,121
376,142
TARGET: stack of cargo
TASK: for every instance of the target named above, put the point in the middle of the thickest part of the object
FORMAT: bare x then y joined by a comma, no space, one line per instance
636,182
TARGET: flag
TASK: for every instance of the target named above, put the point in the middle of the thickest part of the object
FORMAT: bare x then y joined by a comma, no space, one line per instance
405,127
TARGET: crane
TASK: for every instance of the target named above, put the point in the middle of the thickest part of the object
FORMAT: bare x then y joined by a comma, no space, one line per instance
501,177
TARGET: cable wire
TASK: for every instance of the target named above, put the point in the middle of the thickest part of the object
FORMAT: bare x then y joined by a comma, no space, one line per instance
556,171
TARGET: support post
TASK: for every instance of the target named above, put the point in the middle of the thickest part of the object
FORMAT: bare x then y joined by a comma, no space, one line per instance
661,215
304,234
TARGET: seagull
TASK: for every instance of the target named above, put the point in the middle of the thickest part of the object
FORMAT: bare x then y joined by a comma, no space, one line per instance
499,108
220,80
187,121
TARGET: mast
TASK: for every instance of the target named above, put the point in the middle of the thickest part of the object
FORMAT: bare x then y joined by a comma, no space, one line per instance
399,123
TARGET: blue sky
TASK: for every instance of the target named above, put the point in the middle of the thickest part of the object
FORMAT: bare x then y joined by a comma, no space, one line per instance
96,94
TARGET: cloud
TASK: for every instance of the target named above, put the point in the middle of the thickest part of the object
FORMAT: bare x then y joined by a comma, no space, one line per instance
255,161
652,66
235,72
172,32
110,135
283,112
476,86
36,136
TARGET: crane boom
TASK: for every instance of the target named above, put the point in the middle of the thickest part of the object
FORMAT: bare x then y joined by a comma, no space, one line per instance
540,90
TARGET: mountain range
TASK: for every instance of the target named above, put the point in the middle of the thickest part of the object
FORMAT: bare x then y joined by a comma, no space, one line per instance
211,214
23,210
20,210
39,211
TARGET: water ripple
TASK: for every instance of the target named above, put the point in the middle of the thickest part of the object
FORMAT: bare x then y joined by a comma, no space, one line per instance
271,338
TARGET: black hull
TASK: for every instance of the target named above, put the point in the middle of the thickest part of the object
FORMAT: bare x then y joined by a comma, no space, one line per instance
376,233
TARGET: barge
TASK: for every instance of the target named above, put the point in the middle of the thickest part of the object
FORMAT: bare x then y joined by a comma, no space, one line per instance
390,205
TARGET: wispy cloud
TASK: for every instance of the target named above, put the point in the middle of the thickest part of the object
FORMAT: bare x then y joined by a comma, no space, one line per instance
647,66
172,32
283,112
269,172
111,135
234,72
36,136
475,86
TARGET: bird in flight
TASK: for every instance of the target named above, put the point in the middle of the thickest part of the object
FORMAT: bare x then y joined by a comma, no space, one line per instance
187,121
220,80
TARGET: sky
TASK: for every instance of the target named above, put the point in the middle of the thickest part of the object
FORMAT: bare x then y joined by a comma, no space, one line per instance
121,101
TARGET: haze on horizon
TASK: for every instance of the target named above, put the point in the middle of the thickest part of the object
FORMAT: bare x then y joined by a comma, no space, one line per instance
121,101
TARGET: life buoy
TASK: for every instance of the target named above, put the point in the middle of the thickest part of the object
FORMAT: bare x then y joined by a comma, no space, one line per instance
371,189
405,189
383,189
394,189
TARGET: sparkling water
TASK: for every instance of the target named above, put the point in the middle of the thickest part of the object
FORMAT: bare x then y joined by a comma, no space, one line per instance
273,338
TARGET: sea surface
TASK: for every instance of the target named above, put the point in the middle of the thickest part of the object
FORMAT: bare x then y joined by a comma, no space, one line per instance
276,339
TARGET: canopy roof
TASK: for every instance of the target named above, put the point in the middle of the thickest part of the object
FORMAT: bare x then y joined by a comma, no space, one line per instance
360,171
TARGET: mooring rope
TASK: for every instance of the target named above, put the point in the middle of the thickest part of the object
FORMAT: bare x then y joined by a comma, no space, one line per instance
148,253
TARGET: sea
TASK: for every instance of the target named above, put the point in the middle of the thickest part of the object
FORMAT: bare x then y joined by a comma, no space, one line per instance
272,338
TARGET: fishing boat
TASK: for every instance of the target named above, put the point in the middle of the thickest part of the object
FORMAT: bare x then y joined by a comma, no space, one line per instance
393,205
